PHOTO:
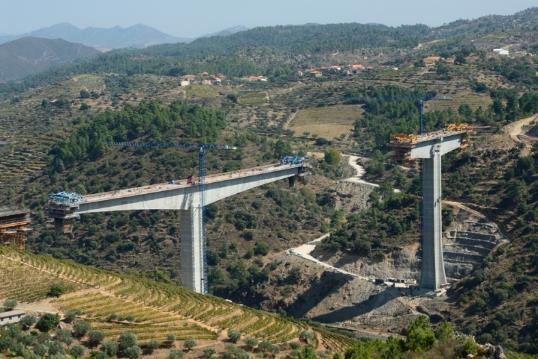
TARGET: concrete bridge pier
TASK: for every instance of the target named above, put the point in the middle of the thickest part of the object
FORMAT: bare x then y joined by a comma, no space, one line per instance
183,196
192,271
433,269
430,148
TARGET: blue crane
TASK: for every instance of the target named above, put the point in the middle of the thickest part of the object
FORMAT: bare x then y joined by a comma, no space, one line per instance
202,150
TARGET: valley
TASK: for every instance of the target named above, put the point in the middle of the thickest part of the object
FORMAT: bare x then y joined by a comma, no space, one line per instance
331,262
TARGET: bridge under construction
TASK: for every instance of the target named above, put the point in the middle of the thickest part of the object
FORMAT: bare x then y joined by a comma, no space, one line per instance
182,195
430,148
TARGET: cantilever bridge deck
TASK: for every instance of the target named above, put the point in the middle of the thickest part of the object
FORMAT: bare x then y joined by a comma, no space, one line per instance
178,184
409,147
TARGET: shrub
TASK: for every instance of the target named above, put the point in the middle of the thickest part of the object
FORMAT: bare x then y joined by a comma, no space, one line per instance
27,321
98,355
266,346
446,332
9,304
175,354
169,342
95,338
233,352
71,315
125,342
63,336
110,348
150,346
420,335
189,344
77,351
234,336
332,157
48,322
81,328
56,290
133,352
209,353
251,343
261,249
55,348
307,353
40,350
470,347
306,336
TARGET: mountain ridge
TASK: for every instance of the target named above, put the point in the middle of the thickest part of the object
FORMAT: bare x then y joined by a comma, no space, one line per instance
29,55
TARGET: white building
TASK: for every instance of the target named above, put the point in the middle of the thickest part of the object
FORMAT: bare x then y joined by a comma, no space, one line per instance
502,52
10,317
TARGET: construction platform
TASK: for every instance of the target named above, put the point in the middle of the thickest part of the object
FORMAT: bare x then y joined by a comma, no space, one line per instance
404,144
14,227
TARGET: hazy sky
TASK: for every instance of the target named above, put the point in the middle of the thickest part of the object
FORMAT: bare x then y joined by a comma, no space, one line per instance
196,17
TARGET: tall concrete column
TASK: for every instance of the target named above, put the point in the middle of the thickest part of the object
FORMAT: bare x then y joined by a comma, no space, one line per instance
433,270
192,250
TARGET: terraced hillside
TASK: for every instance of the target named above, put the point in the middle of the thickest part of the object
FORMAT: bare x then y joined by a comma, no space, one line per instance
116,304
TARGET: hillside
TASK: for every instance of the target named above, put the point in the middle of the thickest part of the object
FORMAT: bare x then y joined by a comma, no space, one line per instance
31,55
115,304
277,50
55,137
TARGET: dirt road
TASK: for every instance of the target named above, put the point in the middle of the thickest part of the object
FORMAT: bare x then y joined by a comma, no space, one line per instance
516,130
359,172
304,251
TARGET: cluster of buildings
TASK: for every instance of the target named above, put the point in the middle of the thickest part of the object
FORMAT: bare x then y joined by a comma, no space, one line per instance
346,69
431,61
201,79
253,78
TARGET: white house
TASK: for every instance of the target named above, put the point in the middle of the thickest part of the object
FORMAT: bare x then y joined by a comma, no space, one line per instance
502,52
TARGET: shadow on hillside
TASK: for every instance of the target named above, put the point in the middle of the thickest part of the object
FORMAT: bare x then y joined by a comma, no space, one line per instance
328,283
373,302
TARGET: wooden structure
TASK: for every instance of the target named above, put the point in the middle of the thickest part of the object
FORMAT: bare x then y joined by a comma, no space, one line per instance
13,227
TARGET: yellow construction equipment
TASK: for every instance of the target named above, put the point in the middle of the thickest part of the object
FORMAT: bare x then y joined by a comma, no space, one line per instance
456,127
404,138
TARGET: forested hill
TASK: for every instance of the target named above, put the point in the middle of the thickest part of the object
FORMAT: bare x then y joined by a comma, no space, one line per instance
316,38
280,48
526,19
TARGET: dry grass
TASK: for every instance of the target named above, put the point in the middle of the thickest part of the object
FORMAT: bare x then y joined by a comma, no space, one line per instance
201,91
253,98
327,122
455,100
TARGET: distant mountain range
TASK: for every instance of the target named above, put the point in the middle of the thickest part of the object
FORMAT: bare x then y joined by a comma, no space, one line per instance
30,55
136,36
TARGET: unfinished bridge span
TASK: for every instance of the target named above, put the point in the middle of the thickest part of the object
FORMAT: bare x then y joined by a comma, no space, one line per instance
184,196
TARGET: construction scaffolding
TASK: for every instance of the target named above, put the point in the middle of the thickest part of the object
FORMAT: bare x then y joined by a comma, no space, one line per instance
402,143
14,227
62,207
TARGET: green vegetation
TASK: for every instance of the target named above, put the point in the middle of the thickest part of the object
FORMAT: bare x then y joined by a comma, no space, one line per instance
150,120
9,304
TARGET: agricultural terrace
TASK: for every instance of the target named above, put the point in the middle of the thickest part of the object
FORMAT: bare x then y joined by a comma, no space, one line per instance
115,304
329,122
